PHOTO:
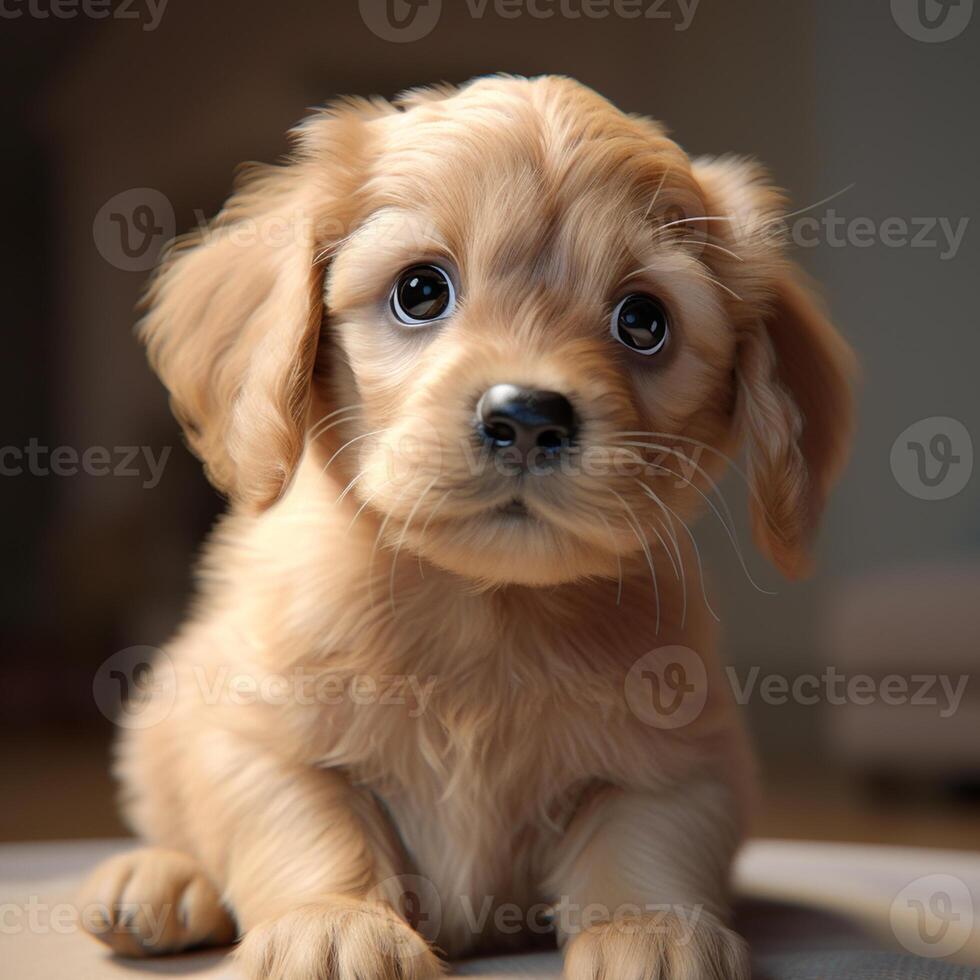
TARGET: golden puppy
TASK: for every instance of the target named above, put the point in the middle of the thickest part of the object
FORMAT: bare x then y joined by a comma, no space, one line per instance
466,366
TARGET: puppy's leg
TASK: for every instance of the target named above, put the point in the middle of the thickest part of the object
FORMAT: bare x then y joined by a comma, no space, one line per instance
641,881
301,855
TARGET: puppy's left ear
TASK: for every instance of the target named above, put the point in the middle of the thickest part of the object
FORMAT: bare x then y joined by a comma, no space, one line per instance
793,370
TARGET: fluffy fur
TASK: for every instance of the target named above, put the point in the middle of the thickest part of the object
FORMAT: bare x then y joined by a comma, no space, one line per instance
364,542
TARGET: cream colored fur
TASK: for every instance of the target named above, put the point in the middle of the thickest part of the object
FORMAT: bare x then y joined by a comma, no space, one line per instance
347,834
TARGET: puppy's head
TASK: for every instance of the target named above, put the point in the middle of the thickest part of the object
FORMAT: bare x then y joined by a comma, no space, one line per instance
523,329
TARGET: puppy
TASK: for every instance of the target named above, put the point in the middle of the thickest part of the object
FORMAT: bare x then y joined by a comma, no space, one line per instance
466,367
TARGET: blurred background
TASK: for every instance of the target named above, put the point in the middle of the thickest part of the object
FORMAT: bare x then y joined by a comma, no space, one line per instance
121,124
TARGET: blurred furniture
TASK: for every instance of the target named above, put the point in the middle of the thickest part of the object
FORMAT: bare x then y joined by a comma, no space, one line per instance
810,912
914,632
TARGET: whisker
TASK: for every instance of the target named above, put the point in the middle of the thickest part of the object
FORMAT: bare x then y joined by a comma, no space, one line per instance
672,534
703,235
707,244
656,194
697,556
425,527
375,548
732,464
315,431
637,529
709,217
678,572
619,560
350,442
728,525
736,547
350,486
716,282
671,513
401,541
360,509
668,552
313,436
810,207
693,272
672,451
679,566
337,411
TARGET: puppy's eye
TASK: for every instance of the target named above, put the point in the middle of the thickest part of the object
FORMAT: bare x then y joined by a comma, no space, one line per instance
640,322
422,294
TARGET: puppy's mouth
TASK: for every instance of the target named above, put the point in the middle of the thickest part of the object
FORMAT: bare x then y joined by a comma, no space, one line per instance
514,508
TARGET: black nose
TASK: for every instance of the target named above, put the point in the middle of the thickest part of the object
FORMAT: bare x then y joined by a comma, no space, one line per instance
526,419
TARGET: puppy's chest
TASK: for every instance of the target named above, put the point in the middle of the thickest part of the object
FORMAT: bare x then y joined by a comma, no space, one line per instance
476,821
477,728
439,747
481,751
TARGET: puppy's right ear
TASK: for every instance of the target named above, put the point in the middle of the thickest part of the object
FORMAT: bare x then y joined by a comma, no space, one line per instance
794,371
234,313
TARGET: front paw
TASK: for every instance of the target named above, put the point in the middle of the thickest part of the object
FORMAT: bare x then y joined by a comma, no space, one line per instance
342,939
153,901
680,944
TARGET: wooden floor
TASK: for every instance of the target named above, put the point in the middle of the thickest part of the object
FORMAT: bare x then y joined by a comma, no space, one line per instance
58,787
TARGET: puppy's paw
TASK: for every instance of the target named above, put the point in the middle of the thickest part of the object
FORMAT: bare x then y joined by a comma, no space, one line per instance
153,901
686,944
342,939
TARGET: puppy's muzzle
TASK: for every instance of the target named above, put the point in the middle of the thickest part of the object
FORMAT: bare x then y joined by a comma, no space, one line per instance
525,422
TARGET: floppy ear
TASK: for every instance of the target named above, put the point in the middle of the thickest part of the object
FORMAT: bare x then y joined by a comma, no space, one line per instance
234,313
793,370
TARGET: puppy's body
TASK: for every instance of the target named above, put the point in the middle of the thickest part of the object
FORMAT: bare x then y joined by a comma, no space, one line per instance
329,800
524,722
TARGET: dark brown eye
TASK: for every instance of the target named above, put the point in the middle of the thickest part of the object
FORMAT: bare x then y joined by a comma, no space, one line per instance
640,322
422,294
